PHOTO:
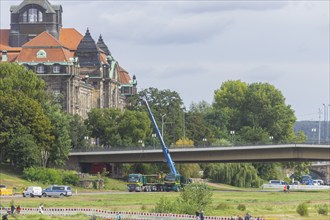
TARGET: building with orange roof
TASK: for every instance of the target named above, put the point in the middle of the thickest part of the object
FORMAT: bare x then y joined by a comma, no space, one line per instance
74,65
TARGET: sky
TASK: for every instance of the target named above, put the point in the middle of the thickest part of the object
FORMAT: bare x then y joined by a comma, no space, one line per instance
192,47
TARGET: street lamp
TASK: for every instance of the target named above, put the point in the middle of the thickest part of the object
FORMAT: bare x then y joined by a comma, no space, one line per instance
153,139
86,141
232,132
163,125
204,141
271,139
313,136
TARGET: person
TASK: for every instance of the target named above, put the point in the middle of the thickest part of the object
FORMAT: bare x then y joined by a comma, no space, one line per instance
41,208
5,217
197,215
288,188
118,216
239,218
12,208
284,188
18,209
247,216
202,215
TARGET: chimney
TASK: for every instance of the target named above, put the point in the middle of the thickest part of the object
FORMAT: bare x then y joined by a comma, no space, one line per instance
4,55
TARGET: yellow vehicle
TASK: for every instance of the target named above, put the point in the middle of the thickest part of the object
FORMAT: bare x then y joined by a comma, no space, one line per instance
5,192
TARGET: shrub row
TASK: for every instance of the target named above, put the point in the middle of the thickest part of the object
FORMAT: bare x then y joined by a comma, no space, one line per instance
51,176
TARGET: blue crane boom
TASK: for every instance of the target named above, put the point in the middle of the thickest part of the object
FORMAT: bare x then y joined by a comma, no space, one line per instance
166,152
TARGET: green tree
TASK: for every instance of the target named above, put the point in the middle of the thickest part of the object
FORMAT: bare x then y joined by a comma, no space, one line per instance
23,150
254,111
59,149
189,170
78,133
20,115
116,128
235,174
17,79
163,102
133,126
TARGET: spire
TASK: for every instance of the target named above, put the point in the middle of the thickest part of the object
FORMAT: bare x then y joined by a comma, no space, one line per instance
103,46
87,51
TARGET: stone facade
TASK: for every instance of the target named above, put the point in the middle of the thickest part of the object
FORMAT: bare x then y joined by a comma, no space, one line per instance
81,72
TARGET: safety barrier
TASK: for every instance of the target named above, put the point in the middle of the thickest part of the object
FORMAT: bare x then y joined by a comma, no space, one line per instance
112,214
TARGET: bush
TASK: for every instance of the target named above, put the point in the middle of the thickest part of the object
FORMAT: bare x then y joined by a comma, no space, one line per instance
302,209
322,209
241,207
223,206
51,176
193,197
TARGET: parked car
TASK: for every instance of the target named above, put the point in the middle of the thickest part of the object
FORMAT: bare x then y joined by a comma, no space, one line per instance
296,182
57,190
306,180
32,191
319,181
276,182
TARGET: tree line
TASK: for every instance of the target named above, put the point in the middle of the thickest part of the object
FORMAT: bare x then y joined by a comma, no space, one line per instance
36,132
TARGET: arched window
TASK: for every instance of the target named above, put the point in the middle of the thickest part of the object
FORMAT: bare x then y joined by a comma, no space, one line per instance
32,15
41,54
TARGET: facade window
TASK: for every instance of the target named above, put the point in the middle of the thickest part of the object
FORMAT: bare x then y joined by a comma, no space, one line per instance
56,69
32,15
40,69
39,16
25,16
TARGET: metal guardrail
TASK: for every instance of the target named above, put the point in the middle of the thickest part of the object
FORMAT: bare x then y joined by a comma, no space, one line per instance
112,214
296,187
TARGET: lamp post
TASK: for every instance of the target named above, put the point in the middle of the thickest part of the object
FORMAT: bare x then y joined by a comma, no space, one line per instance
313,136
153,139
86,141
141,143
163,125
271,139
204,141
232,133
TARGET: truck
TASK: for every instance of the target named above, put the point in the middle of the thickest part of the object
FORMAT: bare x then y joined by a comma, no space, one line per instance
171,182
144,183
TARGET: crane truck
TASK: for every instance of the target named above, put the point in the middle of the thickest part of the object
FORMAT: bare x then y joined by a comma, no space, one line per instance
172,181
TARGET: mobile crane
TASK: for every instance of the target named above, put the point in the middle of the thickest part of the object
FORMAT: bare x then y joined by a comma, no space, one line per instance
171,182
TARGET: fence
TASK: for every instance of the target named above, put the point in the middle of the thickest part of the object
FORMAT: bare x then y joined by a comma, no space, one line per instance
112,214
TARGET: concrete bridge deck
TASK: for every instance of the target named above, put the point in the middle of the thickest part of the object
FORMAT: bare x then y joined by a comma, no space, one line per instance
263,153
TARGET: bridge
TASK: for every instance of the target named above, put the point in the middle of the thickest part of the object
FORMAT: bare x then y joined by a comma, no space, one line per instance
263,153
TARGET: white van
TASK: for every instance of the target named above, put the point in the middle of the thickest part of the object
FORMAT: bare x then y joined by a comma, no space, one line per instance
276,182
33,191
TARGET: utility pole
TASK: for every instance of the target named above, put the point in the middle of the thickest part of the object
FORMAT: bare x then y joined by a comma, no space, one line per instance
320,112
325,123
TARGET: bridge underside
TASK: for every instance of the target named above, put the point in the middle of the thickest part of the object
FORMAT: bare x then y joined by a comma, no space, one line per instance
210,155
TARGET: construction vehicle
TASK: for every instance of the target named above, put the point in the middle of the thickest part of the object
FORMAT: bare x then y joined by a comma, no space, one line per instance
145,183
171,182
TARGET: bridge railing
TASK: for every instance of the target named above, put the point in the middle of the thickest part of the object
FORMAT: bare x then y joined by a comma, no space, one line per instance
140,148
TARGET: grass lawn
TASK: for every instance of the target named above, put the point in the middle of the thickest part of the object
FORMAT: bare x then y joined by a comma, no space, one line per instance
270,205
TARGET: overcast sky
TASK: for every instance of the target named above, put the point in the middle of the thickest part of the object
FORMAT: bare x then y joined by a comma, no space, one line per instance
192,47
